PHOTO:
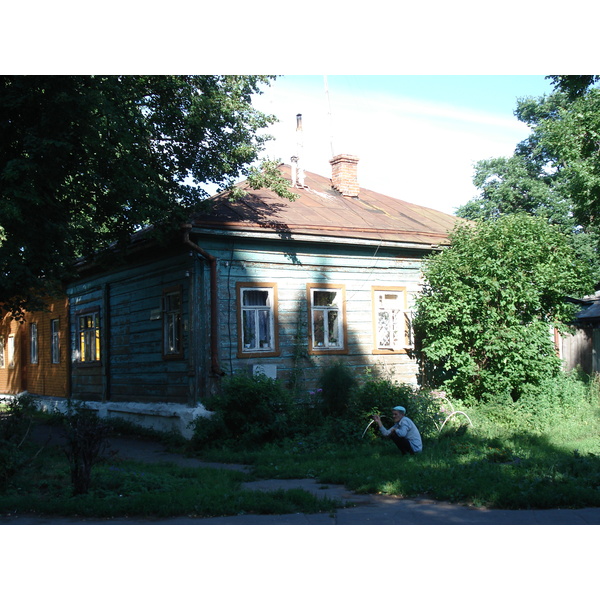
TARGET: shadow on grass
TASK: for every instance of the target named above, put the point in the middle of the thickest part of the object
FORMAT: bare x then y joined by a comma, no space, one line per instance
514,472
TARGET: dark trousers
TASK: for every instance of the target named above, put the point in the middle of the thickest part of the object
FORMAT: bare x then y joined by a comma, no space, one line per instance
402,443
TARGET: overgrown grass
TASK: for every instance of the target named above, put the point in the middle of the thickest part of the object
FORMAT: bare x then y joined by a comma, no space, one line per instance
542,453
132,489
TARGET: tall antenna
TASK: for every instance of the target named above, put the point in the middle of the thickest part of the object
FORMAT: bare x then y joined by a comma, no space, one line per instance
329,114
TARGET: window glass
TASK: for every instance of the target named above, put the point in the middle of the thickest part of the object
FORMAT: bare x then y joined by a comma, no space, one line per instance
172,323
33,343
89,337
11,351
55,341
393,322
326,319
257,320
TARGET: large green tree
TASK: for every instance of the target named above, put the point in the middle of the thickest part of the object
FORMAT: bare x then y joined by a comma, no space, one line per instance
87,160
555,172
489,304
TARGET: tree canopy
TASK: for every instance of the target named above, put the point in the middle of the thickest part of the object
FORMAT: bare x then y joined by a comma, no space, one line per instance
87,160
555,172
489,302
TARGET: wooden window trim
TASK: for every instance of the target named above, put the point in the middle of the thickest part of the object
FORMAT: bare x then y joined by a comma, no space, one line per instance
81,313
386,288
326,286
239,286
11,353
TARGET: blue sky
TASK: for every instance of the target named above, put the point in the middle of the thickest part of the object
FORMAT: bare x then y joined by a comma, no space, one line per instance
417,136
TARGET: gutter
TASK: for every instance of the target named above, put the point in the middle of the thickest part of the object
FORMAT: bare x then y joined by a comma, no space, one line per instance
214,329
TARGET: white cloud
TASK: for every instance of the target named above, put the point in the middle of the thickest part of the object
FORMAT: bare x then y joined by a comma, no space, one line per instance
421,152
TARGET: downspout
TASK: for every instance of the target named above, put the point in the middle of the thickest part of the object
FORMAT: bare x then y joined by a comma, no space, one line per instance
214,329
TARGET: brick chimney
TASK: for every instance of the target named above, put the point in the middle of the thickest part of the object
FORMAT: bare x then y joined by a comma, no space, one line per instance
343,174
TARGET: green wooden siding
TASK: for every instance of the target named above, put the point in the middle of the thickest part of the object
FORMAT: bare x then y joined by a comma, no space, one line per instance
132,367
291,268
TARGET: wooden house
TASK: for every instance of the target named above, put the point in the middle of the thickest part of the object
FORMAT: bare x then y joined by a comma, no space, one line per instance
258,285
34,354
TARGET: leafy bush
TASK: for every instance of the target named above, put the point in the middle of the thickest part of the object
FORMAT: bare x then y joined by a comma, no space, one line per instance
15,424
251,410
86,436
540,406
490,298
381,395
337,383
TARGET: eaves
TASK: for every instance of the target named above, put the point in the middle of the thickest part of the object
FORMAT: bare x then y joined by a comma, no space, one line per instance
321,239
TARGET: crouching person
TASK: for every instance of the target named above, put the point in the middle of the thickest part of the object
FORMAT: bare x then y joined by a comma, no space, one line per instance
403,432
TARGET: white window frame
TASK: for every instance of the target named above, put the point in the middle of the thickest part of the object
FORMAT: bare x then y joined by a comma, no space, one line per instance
330,339
390,308
257,323
2,354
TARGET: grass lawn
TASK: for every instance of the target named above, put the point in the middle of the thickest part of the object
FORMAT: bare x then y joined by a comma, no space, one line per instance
489,465
494,464
127,488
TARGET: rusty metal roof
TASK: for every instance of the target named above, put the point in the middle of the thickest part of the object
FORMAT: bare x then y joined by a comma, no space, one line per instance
322,211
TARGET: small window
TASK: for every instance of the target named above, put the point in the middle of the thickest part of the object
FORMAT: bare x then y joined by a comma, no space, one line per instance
55,341
89,337
2,360
327,307
257,319
33,343
172,311
392,321
11,351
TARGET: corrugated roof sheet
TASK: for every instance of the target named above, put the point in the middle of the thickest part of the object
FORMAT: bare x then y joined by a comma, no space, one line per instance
591,313
321,210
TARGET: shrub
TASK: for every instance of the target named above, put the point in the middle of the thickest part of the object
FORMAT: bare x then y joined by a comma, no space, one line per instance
15,424
337,383
488,302
86,436
251,410
539,407
381,395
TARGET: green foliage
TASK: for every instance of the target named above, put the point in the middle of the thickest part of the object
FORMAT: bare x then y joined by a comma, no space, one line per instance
267,175
559,398
500,462
555,172
130,489
251,410
381,395
337,382
15,425
573,85
87,160
484,319
572,140
86,436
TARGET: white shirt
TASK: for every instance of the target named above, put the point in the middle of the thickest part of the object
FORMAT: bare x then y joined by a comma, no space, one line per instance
406,428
